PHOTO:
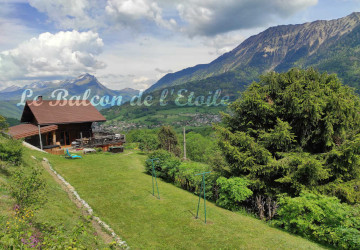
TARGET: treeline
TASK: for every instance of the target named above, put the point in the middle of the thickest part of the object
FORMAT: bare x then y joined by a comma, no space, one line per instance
288,150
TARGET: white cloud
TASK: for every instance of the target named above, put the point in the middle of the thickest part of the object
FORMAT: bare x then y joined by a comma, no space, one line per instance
223,43
175,53
199,17
163,71
132,12
211,17
72,14
12,29
143,82
61,54
95,14
7,35
203,30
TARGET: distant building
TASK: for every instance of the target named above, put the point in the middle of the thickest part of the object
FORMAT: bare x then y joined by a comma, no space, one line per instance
56,122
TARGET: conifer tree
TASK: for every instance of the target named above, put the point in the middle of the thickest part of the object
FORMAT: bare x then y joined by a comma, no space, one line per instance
295,131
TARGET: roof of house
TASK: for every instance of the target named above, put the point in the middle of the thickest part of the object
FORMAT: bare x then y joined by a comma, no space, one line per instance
60,112
26,130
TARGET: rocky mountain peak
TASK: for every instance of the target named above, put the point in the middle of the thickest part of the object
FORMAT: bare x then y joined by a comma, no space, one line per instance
277,48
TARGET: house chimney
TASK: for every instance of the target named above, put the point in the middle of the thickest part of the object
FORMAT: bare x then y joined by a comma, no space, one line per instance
39,99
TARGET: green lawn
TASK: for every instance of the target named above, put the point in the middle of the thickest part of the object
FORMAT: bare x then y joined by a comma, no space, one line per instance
119,191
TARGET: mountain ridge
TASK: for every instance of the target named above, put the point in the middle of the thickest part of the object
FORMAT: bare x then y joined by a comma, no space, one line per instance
75,87
277,48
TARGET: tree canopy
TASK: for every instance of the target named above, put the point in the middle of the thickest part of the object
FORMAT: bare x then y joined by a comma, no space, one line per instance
168,140
294,131
3,124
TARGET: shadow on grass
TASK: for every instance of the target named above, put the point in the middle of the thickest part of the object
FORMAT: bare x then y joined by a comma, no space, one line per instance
3,170
192,213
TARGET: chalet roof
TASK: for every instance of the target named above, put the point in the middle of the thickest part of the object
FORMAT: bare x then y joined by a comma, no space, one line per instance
48,112
26,130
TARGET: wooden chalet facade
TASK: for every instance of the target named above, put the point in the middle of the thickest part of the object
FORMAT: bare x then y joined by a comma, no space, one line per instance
56,122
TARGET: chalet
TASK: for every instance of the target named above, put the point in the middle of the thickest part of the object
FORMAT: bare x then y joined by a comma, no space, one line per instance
56,123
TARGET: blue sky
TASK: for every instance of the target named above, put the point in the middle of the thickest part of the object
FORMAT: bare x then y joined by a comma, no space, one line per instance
133,43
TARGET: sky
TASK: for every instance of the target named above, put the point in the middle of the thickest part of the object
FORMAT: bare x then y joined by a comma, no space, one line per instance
133,43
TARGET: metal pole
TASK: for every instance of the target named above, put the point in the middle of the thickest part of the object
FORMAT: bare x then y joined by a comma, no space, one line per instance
156,184
204,196
184,143
197,212
82,143
41,146
152,175
202,189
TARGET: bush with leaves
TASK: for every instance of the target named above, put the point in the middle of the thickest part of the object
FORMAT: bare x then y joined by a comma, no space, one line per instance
232,192
182,174
27,188
348,191
146,139
199,148
149,142
166,166
3,124
22,232
10,151
321,218
136,135
187,179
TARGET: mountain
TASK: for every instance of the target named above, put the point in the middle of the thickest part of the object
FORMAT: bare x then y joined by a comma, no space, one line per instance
10,89
332,46
77,86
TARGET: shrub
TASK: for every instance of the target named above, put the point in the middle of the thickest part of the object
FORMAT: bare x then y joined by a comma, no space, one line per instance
348,192
146,139
186,178
165,167
21,232
321,218
199,148
136,134
232,191
3,124
182,174
11,151
148,142
27,188
131,145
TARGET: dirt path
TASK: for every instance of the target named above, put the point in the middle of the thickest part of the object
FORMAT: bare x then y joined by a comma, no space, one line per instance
104,235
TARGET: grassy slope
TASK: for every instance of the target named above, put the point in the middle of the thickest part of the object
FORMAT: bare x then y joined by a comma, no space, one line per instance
120,193
5,202
57,211
9,109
